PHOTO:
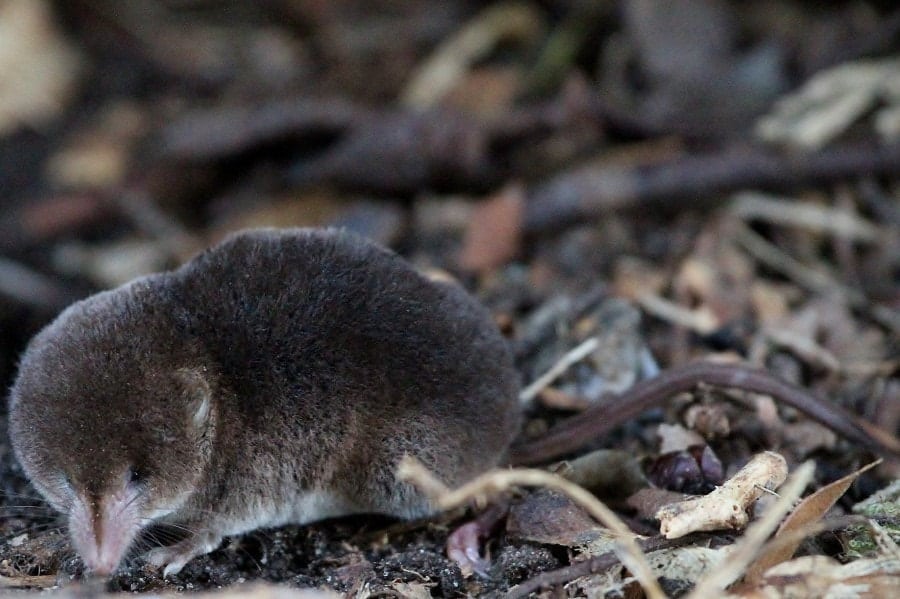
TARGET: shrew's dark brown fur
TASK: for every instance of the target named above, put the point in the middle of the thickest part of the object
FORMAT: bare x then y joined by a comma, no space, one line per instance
278,377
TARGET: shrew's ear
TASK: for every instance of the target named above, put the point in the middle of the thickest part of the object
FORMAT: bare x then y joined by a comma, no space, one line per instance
198,397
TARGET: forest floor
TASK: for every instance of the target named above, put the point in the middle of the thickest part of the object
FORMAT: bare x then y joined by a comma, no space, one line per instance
629,187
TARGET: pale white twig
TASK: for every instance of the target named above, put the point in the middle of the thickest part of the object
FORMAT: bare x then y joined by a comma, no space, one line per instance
572,357
752,205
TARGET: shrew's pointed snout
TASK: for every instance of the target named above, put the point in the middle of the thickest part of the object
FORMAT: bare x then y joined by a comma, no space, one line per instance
103,527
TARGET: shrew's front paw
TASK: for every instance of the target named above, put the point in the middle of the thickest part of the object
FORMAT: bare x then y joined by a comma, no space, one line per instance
172,558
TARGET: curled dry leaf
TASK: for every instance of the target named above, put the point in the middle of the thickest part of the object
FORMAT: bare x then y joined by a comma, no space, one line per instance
726,507
715,279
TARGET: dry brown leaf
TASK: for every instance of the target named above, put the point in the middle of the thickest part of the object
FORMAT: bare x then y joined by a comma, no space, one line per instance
494,234
810,510
552,518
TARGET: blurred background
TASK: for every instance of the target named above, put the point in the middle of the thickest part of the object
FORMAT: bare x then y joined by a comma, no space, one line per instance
686,178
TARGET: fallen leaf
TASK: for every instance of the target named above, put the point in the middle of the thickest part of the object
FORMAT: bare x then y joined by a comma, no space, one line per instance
552,518
494,233
809,510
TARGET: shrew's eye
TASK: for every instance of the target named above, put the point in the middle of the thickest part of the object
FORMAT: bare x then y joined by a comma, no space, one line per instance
135,476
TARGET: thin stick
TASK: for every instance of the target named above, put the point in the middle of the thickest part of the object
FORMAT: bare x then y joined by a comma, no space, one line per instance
577,431
567,361
808,278
702,322
752,205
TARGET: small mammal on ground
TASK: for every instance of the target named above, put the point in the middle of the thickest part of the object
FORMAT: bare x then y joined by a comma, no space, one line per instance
279,377
276,378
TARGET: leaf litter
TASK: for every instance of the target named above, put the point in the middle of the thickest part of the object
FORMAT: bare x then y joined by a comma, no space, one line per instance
622,213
